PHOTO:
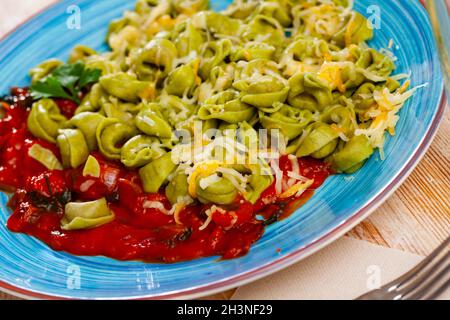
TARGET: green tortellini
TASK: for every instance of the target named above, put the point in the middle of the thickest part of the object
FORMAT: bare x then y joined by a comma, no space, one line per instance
321,140
183,80
357,30
265,29
252,51
175,110
155,60
151,122
242,9
86,215
305,54
277,9
289,120
125,86
124,111
344,117
309,92
214,53
155,174
81,53
375,62
44,69
45,120
73,147
141,150
87,123
111,133
220,192
189,6
101,63
219,24
260,179
94,100
226,106
352,155
261,85
178,187
187,38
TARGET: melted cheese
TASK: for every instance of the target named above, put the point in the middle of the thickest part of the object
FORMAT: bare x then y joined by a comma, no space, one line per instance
296,190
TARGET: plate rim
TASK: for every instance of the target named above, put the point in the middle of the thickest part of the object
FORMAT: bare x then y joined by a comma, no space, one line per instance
280,263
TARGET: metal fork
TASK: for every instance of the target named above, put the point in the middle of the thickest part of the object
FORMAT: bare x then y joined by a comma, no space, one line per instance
426,281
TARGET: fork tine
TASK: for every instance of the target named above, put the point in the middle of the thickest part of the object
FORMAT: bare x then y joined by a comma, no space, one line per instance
419,269
431,285
425,274
437,292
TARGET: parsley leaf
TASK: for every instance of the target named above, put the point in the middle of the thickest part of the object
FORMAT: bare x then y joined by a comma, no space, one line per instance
65,82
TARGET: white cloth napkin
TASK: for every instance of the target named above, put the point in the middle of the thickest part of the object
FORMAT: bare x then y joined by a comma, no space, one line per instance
344,270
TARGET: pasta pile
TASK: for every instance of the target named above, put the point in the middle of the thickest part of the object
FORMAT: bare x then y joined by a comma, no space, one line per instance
301,67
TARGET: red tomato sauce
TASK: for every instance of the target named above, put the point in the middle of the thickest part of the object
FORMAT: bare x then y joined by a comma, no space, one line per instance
137,233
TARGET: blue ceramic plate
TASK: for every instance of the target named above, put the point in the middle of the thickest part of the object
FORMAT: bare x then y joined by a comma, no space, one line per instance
30,269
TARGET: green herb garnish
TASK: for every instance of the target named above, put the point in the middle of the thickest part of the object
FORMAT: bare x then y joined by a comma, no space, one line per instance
65,82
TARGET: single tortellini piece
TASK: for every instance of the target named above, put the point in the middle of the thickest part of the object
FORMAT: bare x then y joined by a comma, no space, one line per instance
259,179
120,110
241,9
45,119
261,85
221,192
226,106
123,33
343,117
111,135
144,7
320,21
141,150
221,79
375,63
305,54
183,80
126,86
81,53
320,141
187,38
155,174
253,50
87,123
289,120
94,100
174,109
188,7
352,156
265,28
278,10
73,147
105,65
218,23
214,54
86,215
356,30
309,92
363,97
151,121
177,187
155,60
44,69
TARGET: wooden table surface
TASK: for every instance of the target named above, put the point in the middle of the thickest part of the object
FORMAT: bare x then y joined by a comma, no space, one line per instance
416,218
